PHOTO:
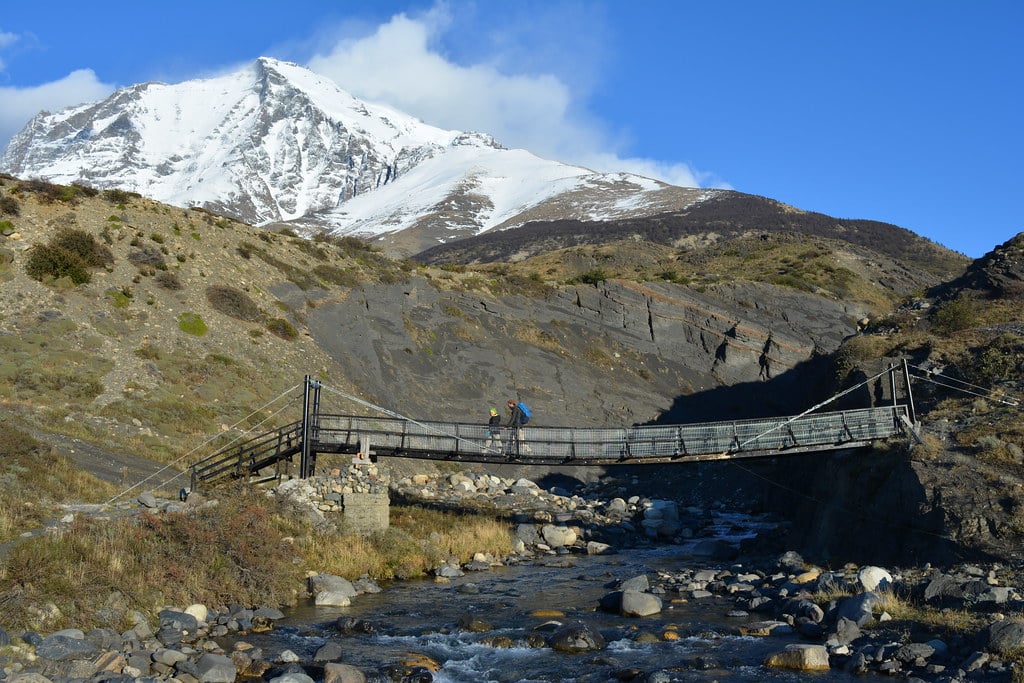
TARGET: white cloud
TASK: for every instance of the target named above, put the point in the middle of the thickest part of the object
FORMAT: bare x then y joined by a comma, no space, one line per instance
401,64
21,104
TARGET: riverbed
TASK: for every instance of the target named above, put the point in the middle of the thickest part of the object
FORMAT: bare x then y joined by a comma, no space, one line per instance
691,639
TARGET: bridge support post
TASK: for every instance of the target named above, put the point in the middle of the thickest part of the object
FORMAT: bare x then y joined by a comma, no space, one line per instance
310,420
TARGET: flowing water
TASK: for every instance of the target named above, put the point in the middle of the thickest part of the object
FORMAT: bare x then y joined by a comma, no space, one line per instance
422,617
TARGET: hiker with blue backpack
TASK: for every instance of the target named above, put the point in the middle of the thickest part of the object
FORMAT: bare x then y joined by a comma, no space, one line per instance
519,415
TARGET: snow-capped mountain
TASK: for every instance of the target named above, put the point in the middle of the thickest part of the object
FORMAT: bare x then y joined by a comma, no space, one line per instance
276,143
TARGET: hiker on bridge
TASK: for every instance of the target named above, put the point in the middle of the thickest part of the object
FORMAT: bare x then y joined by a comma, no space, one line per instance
519,415
493,432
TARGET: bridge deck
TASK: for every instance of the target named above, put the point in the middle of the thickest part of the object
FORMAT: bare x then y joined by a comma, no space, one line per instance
460,442
603,446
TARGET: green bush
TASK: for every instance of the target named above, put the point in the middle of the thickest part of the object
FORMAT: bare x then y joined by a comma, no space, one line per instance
191,323
956,314
234,303
85,245
115,196
47,262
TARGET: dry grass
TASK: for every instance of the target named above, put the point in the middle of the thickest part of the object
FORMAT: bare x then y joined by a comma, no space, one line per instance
33,478
417,541
250,549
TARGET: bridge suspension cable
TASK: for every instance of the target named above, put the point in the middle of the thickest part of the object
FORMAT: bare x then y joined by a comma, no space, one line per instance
965,386
740,446
391,413
213,438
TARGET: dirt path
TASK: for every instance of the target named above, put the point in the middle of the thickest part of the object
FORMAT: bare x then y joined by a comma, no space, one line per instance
129,471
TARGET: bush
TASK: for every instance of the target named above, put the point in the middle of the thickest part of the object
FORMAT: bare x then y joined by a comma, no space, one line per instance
234,303
115,196
9,205
956,314
47,262
147,258
283,329
168,280
85,245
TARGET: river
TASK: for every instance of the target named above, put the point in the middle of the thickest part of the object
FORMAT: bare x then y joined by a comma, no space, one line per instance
422,617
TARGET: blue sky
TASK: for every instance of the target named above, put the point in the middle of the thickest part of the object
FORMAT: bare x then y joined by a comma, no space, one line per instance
904,111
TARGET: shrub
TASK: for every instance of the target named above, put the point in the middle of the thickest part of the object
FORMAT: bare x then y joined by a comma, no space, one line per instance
191,323
593,277
115,196
9,205
234,303
147,258
282,328
85,245
956,314
168,280
46,262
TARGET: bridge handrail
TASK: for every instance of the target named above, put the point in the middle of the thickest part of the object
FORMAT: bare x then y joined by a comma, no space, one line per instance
566,444
233,458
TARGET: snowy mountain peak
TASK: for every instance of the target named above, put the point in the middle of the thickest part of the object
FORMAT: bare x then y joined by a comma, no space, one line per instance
275,142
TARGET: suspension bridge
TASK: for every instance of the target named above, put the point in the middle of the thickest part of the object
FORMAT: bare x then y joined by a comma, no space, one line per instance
272,454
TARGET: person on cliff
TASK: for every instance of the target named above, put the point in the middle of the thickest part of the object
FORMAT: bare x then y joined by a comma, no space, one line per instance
493,432
516,419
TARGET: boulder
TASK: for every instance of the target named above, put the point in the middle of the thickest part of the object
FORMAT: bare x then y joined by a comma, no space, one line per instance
558,536
212,668
874,578
342,673
858,608
576,637
1003,636
637,604
62,648
800,657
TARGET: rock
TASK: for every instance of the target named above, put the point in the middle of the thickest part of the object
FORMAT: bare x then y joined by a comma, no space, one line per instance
576,637
148,500
200,612
595,548
637,604
858,608
801,657
1003,636
331,651
874,578
62,648
558,536
329,582
212,668
342,673
332,599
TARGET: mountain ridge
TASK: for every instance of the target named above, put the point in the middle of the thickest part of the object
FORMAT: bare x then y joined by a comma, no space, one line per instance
275,144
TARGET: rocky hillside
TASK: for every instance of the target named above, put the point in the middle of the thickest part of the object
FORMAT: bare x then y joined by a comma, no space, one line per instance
153,329
717,219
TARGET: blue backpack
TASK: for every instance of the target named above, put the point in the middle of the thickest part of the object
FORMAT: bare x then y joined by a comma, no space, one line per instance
525,410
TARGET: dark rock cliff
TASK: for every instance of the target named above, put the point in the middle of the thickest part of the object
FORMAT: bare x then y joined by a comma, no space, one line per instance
610,355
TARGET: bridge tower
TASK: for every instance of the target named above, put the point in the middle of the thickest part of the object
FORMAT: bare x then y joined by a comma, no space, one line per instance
310,422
